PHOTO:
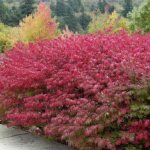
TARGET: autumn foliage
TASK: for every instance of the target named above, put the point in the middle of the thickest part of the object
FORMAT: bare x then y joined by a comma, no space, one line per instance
113,22
39,25
91,91
5,41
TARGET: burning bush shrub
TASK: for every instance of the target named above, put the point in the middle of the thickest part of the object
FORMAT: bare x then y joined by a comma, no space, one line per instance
82,89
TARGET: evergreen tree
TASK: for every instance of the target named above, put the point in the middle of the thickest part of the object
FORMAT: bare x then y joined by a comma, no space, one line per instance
60,9
84,20
93,7
101,5
76,5
3,12
69,19
9,16
72,22
13,18
65,12
111,9
52,8
27,7
128,7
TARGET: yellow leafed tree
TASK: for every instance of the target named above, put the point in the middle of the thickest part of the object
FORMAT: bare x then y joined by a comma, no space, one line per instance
5,41
116,22
98,22
38,26
104,22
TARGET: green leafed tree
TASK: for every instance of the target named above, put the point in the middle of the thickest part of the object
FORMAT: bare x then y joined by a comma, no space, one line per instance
140,18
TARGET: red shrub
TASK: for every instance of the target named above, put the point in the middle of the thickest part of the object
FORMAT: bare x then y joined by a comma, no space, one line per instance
138,134
75,89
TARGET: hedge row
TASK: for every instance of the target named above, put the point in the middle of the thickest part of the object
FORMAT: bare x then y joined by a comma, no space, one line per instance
91,91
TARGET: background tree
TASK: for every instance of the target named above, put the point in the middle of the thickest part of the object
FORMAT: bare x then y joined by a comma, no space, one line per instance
93,7
3,12
38,26
140,18
111,9
76,5
5,41
97,23
26,8
52,8
71,20
84,20
101,5
66,14
116,23
113,22
60,9
14,17
128,7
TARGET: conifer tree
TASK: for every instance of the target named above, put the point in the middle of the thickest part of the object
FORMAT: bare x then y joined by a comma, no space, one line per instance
128,7
101,5
76,5
26,8
60,8
14,17
70,20
3,12
84,20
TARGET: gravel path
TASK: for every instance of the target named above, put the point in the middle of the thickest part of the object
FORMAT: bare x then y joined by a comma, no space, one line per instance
14,139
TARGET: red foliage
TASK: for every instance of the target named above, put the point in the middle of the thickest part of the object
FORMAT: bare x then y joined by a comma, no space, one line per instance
74,88
138,134
142,132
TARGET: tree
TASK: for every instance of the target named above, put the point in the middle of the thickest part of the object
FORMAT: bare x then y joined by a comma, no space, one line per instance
128,7
140,18
60,8
38,26
111,9
52,8
113,22
27,7
3,12
5,41
116,23
13,18
72,22
76,5
93,7
66,16
84,20
97,23
101,5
